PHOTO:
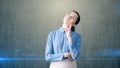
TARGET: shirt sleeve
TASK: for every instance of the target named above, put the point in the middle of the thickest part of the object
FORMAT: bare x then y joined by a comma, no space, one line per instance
49,53
75,48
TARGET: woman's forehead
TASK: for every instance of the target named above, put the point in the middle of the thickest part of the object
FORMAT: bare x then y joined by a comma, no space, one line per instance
73,14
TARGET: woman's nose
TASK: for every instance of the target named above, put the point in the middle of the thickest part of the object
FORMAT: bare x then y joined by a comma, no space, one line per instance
70,17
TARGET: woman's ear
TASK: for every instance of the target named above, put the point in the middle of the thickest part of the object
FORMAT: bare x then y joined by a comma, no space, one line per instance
74,25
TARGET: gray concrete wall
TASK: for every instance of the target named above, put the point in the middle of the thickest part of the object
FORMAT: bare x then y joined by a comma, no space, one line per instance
25,24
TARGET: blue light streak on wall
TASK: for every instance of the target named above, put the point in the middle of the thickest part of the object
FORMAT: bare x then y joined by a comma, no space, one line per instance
110,53
6,59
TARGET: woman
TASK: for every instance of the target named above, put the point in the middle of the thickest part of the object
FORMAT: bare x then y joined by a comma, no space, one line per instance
63,45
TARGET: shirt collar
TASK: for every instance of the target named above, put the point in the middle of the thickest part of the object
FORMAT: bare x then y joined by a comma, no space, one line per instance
61,29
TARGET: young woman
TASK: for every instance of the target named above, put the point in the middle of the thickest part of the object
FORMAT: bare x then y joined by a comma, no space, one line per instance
63,45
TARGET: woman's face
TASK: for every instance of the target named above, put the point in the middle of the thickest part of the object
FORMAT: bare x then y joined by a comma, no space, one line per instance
70,19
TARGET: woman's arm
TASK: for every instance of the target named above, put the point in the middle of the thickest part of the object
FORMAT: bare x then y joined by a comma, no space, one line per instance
49,54
73,46
74,49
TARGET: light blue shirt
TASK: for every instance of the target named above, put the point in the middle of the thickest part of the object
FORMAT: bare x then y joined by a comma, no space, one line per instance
57,44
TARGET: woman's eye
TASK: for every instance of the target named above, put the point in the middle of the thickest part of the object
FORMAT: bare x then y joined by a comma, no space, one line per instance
71,17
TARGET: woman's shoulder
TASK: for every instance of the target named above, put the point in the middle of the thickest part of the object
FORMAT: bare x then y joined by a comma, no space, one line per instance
76,34
53,32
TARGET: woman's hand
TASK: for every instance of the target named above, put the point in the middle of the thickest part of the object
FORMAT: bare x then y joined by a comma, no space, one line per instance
68,30
67,55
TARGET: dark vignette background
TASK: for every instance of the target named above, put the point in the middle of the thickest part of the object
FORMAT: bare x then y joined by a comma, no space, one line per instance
25,24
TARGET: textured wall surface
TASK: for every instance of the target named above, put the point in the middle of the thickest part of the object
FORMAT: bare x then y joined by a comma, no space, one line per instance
25,24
